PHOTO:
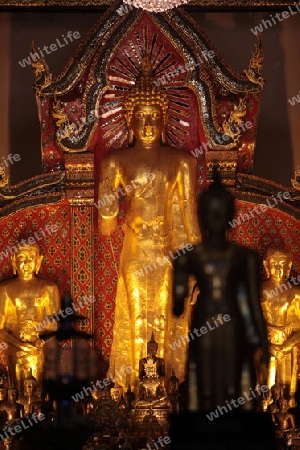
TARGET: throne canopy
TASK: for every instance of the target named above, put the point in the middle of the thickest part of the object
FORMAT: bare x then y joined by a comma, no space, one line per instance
82,118
81,110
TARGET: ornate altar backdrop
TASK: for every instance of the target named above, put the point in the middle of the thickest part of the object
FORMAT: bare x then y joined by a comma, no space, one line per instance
81,117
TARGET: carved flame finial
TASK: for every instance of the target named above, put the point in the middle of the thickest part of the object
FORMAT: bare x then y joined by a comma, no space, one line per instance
231,125
296,181
3,177
253,73
41,70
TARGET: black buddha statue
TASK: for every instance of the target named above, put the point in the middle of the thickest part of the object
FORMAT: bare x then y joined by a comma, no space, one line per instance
227,328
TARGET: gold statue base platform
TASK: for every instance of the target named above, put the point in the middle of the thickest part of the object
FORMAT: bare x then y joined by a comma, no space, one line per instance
156,417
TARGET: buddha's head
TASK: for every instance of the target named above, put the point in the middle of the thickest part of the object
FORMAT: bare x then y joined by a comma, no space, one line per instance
116,393
146,108
12,394
41,393
283,405
30,385
216,207
278,264
27,260
173,385
276,392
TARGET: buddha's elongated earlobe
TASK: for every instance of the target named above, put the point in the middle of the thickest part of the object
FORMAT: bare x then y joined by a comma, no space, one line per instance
130,136
13,260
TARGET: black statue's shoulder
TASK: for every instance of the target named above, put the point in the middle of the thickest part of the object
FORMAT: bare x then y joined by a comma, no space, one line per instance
245,253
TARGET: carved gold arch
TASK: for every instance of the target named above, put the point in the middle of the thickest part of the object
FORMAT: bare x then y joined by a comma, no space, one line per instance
82,108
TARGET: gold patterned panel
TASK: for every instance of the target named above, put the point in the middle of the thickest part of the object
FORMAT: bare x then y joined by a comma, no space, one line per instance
82,275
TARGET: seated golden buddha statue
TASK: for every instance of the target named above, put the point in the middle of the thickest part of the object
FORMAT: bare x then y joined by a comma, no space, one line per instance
276,395
155,180
93,404
280,303
25,301
284,425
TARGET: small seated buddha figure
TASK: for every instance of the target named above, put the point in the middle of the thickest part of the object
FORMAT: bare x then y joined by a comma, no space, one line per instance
151,373
173,392
41,406
102,409
25,301
129,397
266,401
277,394
94,407
93,403
30,396
284,424
281,307
11,408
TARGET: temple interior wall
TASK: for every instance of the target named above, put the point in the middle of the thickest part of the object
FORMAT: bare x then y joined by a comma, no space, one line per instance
5,27
277,152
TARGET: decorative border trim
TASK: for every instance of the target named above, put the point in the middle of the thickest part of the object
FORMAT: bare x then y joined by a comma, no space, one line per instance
26,202
43,182
216,4
254,189
38,190
253,198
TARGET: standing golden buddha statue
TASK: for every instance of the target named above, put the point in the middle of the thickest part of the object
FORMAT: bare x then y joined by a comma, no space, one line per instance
25,301
150,176
281,307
